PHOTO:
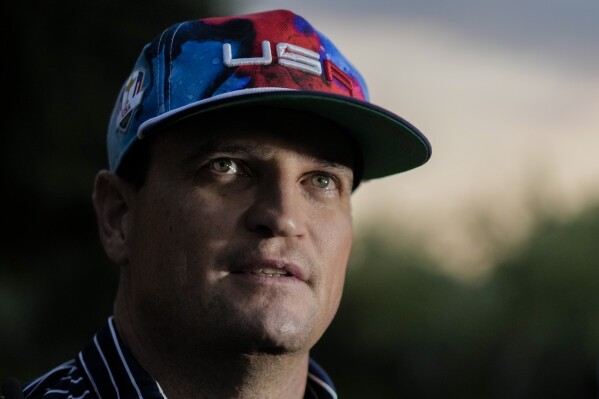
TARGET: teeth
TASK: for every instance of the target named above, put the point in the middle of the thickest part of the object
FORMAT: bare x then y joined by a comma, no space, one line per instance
270,271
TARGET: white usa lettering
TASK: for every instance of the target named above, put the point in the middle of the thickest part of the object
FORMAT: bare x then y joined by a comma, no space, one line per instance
231,62
289,55
293,56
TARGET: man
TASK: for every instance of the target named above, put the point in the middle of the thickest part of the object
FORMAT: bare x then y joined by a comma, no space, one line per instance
234,147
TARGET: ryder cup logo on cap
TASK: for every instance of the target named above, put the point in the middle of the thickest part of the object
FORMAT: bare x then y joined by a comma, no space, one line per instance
131,98
275,59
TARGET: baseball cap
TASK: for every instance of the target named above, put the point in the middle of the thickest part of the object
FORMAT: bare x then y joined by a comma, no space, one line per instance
274,59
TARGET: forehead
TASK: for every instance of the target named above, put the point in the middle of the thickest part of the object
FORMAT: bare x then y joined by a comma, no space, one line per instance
261,129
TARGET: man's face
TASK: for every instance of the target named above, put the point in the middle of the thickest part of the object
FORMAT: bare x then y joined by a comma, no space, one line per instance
241,234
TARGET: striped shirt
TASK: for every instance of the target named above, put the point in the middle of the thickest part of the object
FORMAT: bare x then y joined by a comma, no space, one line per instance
106,370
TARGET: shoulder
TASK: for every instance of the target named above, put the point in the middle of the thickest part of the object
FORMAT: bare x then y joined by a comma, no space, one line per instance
65,381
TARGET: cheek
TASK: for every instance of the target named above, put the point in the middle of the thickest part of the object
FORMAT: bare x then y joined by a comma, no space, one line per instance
337,236
208,221
336,256
198,216
175,225
176,245
202,228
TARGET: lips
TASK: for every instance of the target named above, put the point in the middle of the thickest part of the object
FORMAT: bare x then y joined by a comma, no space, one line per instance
271,272
271,268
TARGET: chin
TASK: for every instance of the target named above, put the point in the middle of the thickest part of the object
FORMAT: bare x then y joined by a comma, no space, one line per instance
287,339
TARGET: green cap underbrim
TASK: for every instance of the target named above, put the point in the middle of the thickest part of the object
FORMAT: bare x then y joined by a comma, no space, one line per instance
388,143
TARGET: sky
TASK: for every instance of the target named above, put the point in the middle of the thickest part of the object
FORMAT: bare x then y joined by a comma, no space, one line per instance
507,93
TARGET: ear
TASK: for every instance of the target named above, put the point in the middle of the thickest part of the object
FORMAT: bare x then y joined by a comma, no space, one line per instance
112,198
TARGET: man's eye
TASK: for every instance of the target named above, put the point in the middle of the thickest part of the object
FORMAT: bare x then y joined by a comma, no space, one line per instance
224,165
323,181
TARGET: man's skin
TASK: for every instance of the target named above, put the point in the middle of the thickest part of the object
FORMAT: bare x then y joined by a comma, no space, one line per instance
228,197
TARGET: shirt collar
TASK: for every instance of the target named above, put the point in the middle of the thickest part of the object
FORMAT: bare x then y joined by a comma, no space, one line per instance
319,383
112,371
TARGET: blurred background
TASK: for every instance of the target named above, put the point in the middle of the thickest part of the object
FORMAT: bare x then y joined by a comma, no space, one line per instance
474,276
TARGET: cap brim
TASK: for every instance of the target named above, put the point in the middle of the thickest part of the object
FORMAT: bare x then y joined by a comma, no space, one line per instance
389,144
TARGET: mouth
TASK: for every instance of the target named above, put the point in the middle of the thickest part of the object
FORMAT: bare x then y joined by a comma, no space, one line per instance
271,269
270,272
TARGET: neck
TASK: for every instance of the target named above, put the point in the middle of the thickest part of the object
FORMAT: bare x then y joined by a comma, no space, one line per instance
242,376
202,371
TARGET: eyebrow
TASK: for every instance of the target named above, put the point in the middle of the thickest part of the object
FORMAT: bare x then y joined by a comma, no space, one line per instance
214,146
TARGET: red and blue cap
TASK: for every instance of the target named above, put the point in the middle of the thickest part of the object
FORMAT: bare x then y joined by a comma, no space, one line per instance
274,59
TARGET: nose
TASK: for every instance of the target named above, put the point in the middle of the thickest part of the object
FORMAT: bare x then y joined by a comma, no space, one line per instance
277,210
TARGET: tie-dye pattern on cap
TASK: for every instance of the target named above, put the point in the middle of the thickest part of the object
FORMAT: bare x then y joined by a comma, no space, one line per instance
273,58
